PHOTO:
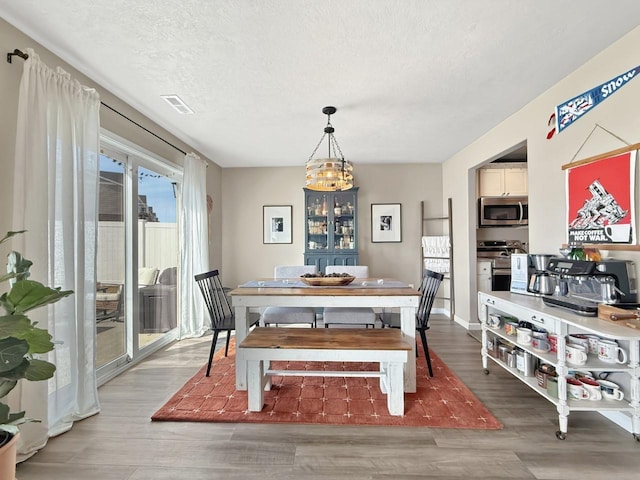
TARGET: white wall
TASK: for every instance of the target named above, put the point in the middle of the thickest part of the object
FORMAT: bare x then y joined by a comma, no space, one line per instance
246,190
547,211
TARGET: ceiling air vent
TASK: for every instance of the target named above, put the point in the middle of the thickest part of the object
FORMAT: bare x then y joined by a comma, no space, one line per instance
176,102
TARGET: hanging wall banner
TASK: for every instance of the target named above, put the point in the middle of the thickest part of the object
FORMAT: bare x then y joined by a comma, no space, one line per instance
568,112
600,201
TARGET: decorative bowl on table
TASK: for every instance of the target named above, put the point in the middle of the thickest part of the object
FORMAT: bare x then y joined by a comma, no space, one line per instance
328,281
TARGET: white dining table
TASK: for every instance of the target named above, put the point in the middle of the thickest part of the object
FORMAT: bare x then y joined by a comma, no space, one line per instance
375,293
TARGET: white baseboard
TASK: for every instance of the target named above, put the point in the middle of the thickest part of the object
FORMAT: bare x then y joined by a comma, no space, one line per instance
466,324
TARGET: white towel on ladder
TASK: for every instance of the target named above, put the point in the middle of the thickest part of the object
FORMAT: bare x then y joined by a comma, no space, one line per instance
440,265
435,246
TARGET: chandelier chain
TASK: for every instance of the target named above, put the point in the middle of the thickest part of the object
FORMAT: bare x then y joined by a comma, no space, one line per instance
317,146
336,147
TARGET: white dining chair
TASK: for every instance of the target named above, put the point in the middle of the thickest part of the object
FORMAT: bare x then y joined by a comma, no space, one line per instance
349,316
289,315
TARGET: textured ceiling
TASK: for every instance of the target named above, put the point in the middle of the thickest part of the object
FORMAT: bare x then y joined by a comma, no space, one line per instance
413,80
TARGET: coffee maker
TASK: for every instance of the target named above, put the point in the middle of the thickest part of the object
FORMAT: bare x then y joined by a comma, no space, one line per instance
582,285
529,275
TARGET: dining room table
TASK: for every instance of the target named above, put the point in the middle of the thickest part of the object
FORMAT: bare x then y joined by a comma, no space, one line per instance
380,293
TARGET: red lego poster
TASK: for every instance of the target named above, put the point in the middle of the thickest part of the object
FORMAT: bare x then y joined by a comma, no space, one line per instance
600,201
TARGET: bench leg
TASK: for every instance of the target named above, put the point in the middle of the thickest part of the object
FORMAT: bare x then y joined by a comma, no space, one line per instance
255,393
384,380
395,386
266,365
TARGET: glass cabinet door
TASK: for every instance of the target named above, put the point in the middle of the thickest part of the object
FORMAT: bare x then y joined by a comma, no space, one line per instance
343,222
317,222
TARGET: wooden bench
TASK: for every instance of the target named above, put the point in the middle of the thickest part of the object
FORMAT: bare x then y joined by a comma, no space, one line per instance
386,346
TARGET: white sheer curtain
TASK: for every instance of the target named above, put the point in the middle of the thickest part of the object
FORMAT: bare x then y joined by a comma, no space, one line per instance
55,200
195,320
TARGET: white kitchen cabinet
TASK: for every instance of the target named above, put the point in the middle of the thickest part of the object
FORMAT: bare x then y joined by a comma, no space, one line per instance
532,309
498,182
515,181
484,275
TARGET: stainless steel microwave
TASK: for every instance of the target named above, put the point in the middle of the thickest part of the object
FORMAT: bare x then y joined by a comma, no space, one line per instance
503,211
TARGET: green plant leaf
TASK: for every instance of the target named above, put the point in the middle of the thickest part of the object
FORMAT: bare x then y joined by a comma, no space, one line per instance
14,326
39,340
7,276
18,372
12,352
40,370
19,265
5,387
26,295
4,413
11,234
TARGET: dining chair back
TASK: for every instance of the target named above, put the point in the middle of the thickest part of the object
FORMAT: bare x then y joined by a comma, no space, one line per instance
350,316
219,308
292,271
428,288
289,315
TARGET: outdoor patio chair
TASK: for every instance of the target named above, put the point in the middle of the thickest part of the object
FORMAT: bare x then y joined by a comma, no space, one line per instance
109,302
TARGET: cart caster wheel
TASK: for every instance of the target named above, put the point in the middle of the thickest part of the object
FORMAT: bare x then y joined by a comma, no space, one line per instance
486,371
561,435
637,437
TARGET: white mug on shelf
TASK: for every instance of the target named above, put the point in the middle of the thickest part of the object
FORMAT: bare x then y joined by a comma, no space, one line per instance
592,387
579,339
523,336
610,352
593,343
575,390
576,354
610,390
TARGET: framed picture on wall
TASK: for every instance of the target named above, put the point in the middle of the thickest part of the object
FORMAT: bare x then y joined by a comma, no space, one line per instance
601,198
276,224
386,222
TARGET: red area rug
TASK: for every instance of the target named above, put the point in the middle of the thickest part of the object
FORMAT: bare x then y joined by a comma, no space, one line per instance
442,401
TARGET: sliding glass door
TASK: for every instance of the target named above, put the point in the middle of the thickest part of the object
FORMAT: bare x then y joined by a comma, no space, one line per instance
157,255
138,255
111,262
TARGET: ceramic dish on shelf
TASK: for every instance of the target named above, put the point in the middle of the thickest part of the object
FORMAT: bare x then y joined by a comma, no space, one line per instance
327,281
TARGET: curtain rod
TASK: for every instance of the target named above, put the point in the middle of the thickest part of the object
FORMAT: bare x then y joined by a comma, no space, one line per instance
24,56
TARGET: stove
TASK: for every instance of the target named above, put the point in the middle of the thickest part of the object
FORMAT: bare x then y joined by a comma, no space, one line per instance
499,252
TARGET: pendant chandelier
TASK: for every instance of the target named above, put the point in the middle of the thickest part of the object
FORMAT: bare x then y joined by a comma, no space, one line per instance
333,173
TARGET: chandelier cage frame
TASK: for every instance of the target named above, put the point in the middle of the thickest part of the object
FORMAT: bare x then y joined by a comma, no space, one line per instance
329,174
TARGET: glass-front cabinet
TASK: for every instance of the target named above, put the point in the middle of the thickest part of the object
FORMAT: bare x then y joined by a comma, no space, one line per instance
331,234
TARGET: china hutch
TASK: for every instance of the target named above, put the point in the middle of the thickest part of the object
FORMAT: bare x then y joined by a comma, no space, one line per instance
331,228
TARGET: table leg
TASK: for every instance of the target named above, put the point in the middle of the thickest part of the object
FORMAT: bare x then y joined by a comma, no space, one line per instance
242,330
408,326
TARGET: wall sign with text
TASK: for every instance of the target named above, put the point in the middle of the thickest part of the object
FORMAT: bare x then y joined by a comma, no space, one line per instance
600,200
568,112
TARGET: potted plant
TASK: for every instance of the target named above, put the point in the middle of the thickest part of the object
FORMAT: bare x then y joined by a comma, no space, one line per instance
21,341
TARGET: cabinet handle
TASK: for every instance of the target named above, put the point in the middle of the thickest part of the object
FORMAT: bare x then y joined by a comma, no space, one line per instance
490,301
533,317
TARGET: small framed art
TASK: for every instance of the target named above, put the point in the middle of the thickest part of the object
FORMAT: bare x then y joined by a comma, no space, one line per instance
276,224
386,222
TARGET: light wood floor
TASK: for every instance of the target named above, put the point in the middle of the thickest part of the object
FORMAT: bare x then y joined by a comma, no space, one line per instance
122,443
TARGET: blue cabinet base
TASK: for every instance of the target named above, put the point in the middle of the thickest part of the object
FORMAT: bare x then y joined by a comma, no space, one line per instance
322,260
